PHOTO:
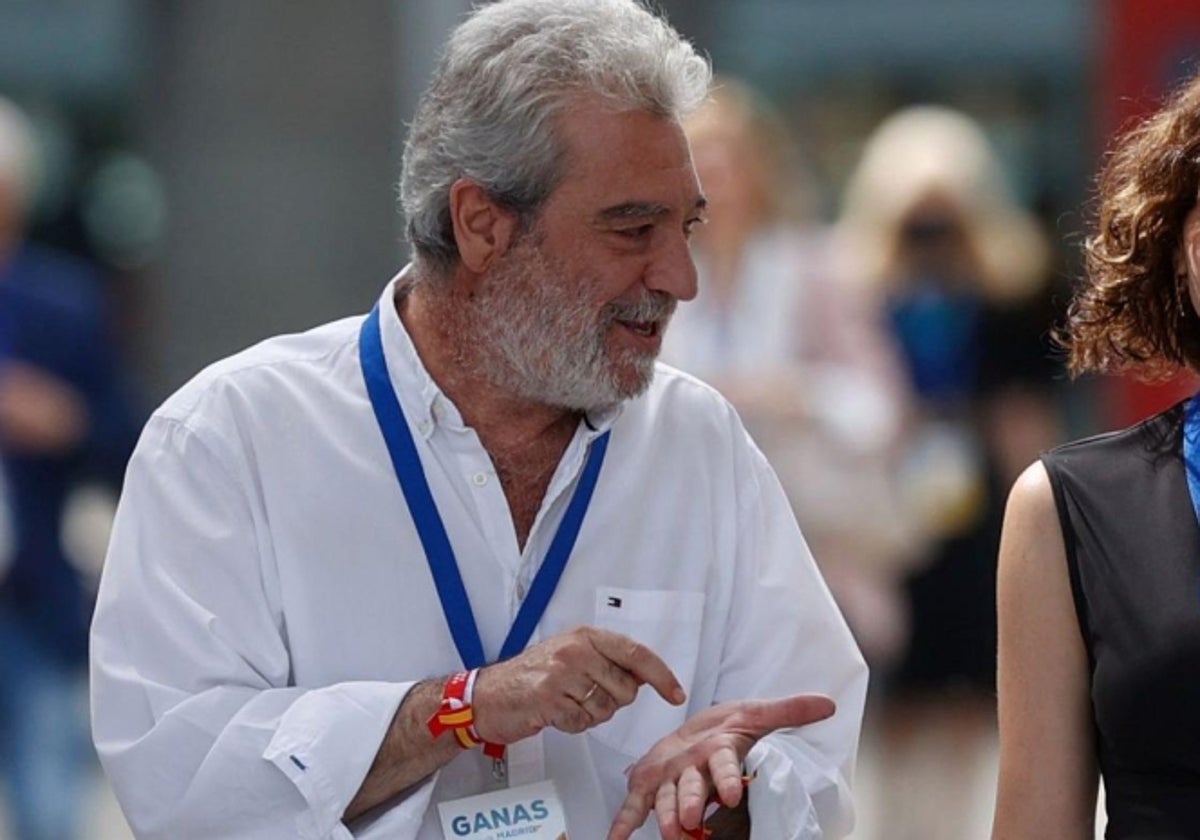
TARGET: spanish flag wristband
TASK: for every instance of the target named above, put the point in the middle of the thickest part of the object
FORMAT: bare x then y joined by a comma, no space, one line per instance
455,714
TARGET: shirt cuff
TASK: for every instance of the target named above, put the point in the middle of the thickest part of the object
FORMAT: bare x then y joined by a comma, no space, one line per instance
326,742
781,806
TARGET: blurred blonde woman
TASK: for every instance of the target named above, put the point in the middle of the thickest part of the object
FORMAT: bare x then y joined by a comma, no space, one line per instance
1098,597
774,330
932,233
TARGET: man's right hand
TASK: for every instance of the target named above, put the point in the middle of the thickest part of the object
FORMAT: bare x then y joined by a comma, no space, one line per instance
572,682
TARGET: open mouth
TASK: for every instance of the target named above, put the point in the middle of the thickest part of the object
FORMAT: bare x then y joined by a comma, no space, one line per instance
646,329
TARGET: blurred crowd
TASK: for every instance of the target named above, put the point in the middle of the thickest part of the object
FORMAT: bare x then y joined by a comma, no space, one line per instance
894,367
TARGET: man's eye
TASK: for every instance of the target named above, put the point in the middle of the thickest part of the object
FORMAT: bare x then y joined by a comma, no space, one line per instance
689,227
638,232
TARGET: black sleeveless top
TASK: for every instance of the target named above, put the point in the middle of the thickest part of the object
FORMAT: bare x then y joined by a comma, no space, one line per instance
1133,550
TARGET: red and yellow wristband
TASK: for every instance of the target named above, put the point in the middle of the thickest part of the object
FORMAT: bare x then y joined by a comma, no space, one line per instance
455,714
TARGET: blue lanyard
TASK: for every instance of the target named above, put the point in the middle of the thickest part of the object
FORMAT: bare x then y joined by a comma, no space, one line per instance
1191,450
432,531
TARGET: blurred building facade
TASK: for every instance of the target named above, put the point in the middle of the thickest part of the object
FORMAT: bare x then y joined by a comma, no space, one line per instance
273,129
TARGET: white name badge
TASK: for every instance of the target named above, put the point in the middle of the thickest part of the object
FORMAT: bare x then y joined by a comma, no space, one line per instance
530,811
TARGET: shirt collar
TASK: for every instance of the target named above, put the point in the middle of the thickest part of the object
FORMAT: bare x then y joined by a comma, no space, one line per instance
419,395
415,389
599,422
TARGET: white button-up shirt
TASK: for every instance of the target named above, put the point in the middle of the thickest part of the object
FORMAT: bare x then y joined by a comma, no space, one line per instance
266,603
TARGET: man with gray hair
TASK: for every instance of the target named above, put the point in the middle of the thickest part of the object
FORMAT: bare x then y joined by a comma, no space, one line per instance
474,565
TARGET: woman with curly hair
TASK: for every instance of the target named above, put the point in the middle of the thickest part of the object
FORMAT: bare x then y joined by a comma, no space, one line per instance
1099,572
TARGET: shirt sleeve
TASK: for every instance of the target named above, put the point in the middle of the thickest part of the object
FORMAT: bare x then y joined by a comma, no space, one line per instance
786,636
193,712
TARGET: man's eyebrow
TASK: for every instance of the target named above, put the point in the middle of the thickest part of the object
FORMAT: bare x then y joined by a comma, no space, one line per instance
633,210
642,210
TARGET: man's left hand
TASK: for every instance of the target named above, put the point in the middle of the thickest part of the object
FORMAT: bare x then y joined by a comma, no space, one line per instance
703,756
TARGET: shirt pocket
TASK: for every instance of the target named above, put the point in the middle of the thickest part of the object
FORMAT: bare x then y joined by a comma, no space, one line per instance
668,622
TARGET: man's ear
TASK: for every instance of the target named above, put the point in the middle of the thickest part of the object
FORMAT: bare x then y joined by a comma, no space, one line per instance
483,229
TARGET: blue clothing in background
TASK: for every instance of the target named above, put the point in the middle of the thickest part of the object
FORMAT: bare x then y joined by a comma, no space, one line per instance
53,318
938,332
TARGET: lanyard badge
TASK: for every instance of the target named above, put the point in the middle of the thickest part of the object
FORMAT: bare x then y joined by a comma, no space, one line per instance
529,811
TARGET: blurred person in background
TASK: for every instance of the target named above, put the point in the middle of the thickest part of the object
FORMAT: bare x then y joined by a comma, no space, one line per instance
1099,620
956,269
775,329
64,417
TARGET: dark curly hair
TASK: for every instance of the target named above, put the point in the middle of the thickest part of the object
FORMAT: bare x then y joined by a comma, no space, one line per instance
1131,313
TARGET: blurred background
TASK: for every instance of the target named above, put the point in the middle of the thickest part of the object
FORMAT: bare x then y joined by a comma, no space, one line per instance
906,188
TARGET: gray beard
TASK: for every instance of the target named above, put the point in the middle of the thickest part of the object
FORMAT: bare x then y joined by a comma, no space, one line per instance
540,340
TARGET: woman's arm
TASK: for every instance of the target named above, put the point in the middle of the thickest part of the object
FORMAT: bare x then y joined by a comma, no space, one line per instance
1048,772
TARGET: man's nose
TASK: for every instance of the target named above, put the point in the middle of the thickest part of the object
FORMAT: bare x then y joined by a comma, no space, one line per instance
673,270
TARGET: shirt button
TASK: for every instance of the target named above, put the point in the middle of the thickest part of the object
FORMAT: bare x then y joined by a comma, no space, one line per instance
520,591
438,411
424,427
480,479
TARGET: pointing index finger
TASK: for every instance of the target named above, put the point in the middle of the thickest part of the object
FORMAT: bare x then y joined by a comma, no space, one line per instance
639,660
763,716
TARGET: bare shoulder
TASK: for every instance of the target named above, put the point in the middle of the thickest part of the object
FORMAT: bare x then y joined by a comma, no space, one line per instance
1047,782
1032,538
1031,501
1034,589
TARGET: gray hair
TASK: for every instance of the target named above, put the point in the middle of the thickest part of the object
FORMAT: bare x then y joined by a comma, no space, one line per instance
507,73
